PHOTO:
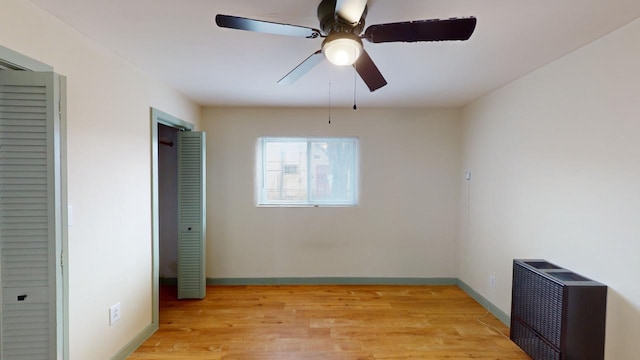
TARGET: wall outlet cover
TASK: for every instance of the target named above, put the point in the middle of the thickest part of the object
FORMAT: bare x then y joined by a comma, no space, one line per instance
114,314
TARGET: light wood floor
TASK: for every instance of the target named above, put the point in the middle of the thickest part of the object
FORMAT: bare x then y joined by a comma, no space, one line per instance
326,322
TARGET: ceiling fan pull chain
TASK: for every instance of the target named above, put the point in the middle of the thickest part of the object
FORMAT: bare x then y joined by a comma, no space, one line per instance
329,102
355,83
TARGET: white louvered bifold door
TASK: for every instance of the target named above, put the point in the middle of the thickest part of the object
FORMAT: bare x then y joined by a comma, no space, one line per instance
191,215
29,221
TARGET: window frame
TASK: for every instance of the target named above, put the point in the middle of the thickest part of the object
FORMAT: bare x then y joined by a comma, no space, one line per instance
260,176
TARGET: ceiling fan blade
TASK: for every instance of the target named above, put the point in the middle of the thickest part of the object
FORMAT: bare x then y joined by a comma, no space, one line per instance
423,30
304,67
351,10
240,23
369,72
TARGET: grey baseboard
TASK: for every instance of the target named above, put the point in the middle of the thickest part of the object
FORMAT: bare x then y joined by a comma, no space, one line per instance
501,315
135,342
332,281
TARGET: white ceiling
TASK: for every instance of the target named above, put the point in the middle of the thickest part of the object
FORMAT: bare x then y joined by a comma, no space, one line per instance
178,42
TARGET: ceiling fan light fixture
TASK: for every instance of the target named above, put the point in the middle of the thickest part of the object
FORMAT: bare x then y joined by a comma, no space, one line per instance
342,49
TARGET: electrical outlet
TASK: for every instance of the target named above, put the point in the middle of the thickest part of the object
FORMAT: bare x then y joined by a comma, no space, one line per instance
114,314
492,281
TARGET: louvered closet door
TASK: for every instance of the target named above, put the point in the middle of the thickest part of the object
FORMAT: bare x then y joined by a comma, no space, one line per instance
28,219
191,217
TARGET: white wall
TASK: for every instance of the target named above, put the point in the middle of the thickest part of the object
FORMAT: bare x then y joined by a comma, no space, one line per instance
405,225
556,165
109,160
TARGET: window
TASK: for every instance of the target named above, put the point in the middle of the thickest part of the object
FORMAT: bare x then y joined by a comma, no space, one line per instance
307,171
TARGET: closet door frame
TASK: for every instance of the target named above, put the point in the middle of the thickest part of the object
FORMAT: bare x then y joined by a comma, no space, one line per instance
14,61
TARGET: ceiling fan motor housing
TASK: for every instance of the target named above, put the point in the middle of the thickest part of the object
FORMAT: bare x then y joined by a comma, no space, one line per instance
331,23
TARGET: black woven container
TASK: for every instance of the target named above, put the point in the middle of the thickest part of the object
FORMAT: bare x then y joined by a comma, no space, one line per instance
557,314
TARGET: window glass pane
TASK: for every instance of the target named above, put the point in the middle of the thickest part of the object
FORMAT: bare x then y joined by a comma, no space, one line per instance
285,171
332,171
308,171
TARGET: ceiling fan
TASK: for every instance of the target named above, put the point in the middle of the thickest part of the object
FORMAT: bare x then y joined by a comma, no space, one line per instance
342,23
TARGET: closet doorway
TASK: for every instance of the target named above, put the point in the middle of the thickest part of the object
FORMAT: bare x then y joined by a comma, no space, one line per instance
168,204
178,207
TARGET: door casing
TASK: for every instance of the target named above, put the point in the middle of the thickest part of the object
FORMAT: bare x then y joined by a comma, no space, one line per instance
158,117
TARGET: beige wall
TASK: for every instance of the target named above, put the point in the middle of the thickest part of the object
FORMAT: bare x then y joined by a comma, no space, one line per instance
556,164
108,175
405,225
554,158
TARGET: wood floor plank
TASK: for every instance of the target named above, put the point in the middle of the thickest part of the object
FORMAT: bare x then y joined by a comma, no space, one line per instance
327,322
